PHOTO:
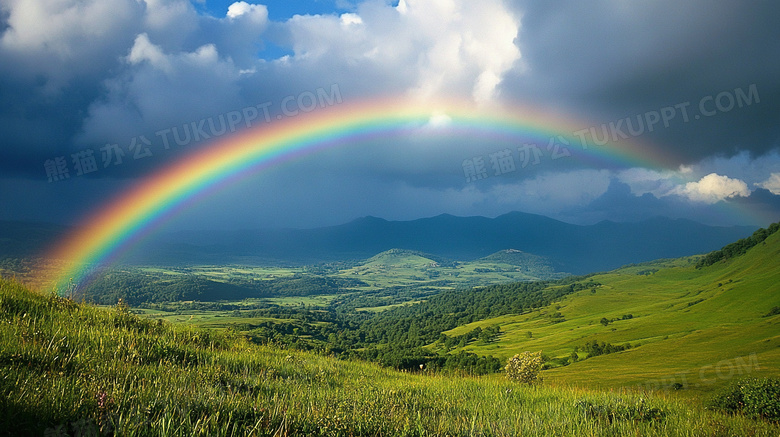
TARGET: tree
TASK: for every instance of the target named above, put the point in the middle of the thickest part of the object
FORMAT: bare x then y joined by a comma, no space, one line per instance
524,367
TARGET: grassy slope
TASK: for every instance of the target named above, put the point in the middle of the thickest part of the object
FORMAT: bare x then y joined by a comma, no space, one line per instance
397,267
700,328
65,367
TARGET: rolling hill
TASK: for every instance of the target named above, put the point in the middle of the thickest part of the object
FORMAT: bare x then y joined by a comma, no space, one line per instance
689,327
407,268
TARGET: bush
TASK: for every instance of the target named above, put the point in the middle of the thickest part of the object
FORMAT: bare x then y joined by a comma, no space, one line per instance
525,367
753,397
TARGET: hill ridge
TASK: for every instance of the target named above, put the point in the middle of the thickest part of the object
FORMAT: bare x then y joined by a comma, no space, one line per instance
683,318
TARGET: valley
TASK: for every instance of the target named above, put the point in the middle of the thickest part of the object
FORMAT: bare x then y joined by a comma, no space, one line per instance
650,346
670,317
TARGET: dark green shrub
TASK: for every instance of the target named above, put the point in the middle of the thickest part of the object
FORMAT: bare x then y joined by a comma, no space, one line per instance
773,312
753,397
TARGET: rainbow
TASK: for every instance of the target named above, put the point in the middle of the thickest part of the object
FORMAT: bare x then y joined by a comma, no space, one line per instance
103,236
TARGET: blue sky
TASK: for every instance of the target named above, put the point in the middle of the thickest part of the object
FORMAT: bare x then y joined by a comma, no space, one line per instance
106,76
281,10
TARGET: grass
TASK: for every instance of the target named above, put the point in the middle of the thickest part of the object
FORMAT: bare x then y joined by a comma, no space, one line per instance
399,268
204,318
700,328
223,272
320,300
67,367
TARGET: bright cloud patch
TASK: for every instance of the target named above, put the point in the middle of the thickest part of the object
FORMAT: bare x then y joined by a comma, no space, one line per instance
441,47
710,180
772,184
238,9
144,50
347,19
714,188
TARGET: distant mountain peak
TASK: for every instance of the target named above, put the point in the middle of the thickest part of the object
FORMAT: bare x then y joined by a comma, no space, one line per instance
369,219
577,249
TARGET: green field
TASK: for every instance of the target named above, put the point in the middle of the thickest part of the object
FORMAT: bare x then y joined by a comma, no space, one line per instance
223,272
67,367
204,318
694,328
697,327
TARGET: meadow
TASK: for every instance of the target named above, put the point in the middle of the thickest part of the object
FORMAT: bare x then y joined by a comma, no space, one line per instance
670,347
68,368
698,327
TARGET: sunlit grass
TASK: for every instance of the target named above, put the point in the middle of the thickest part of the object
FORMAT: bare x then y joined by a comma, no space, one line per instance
65,366
696,327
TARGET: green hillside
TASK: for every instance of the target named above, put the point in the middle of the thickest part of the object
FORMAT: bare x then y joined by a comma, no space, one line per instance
72,369
690,328
535,267
405,258
514,257
405,268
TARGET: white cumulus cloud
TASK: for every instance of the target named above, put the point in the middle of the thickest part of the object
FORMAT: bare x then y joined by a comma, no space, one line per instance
434,47
713,188
144,50
256,12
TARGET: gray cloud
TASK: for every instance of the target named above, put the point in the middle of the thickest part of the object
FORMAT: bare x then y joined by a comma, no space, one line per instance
619,204
609,60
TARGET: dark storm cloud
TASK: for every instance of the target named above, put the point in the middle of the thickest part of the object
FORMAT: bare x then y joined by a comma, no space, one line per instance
36,127
762,203
608,60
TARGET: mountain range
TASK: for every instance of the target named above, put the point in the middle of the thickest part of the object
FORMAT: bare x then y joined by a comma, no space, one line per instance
570,248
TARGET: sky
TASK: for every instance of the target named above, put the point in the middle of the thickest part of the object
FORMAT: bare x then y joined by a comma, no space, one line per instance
694,83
